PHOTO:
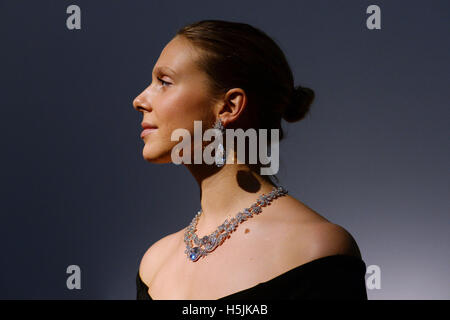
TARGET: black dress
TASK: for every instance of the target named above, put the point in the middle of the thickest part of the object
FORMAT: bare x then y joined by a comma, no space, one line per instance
337,277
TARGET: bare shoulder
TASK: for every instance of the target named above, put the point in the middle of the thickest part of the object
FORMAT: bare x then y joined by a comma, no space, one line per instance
305,235
156,254
326,239
309,235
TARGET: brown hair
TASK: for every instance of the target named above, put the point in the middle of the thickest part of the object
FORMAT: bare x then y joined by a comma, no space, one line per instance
239,55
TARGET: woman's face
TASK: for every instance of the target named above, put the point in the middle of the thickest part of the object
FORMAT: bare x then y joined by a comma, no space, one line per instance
177,96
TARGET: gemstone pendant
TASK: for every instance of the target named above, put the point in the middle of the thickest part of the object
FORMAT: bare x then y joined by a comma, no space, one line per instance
194,254
220,156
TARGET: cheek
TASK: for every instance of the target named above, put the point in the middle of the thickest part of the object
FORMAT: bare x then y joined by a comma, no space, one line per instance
181,109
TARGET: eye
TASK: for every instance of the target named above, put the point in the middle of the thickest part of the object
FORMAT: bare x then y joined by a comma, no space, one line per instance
164,83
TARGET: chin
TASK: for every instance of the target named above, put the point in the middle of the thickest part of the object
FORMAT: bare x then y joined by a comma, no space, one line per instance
155,157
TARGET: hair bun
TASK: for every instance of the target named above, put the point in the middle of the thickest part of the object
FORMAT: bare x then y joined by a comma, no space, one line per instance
301,101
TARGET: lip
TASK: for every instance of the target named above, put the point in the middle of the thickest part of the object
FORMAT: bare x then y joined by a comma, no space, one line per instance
147,132
148,128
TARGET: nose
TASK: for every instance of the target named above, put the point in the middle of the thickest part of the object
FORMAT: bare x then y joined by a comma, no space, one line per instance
141,103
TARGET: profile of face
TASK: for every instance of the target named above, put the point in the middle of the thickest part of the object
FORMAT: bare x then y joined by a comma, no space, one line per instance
177,96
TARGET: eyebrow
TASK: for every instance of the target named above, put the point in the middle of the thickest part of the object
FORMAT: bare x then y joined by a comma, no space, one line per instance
164,69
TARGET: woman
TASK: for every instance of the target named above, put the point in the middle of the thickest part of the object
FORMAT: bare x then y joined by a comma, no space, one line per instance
231,75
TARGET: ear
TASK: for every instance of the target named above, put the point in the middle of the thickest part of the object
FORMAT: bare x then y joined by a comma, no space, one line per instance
233,105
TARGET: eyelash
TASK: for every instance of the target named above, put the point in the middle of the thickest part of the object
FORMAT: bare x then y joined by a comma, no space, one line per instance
163,82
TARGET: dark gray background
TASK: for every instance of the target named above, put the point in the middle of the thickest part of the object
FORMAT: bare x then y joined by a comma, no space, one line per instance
75,189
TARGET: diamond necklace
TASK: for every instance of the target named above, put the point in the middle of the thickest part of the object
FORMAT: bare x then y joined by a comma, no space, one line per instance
214,239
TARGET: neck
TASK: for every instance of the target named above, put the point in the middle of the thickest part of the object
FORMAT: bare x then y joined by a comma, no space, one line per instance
226,191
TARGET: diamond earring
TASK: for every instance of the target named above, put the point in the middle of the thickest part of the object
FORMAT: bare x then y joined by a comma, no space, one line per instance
220,156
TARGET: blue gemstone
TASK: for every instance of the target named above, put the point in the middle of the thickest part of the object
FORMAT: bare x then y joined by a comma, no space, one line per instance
194,253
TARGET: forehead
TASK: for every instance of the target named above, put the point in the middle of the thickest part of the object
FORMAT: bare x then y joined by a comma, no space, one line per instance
177,57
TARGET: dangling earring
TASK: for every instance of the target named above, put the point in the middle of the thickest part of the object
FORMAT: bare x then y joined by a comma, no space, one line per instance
220,156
